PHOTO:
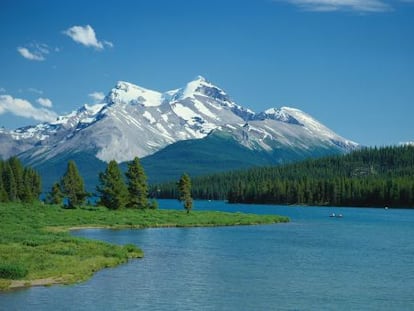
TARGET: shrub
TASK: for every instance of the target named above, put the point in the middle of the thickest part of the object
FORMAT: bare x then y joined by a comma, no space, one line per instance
131,248
153,204
12,271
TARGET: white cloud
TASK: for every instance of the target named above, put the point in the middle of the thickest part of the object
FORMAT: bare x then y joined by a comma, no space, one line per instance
23,108
2,90
34,90
29,55
45,102
341,5
34,51
108,43
86,36
97,96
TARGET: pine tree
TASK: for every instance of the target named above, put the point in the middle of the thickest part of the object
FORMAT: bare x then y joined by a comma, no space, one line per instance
112,188
55,196
72,186
18,171
137,185
184,189
9,182
3,194
31,185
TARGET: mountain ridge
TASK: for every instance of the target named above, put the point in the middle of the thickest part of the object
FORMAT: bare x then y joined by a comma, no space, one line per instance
191,112
134,121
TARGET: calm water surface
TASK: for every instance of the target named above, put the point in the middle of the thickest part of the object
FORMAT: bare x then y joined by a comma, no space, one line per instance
363,261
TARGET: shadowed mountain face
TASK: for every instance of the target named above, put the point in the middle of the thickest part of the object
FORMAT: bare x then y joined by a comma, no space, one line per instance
134,121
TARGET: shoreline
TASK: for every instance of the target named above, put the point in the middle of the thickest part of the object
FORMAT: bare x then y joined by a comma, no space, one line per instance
22,284
70,260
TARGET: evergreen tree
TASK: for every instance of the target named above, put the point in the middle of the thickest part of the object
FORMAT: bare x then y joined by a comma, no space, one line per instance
18,171
72,186
55,196
112,188
9,182
137,185
31,185
184,189
366,177
3,194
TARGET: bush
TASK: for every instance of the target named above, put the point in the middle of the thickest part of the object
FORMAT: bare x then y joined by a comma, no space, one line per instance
115,252
153,204
12,271
131,248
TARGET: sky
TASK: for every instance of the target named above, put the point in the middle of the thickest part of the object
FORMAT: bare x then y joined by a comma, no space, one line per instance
347,63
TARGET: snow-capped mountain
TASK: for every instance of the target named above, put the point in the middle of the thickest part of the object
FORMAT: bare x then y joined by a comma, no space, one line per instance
134,121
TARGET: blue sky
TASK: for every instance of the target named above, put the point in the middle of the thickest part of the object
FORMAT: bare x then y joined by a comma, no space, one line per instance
348,63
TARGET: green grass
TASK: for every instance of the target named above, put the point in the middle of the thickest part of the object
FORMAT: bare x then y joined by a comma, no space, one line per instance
35,242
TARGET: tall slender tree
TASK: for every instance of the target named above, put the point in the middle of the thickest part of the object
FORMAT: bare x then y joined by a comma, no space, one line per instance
18,171
31,184
184,190
9,182
112,188
72,186
137,185
3,194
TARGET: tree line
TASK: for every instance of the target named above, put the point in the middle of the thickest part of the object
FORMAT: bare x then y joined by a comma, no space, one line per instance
17,182
366,177
115,190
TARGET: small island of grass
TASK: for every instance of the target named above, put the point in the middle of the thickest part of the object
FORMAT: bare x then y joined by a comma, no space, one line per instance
36,247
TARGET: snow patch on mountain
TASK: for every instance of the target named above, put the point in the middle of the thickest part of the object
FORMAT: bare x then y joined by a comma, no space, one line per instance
134,121
316,128
129,93
184,112
204,110
147,115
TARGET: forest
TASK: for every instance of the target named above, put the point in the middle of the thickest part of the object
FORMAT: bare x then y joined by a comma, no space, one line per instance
18,183
374,177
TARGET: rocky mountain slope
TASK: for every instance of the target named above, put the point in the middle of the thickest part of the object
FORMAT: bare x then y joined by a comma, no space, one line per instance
134,121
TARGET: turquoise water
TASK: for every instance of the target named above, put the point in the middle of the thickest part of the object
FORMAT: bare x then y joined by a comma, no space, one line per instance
363,261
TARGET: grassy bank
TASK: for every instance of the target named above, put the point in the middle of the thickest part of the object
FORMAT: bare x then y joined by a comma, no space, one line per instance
37,249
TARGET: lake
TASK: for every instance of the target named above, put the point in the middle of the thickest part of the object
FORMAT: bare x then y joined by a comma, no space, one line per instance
363,261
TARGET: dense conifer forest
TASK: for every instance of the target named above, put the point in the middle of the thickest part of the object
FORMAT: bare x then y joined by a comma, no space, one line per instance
17,182
367,177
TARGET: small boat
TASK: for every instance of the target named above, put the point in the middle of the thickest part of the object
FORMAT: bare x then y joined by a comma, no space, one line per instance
336,215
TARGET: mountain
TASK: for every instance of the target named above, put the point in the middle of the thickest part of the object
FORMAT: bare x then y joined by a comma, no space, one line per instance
198,125
221,151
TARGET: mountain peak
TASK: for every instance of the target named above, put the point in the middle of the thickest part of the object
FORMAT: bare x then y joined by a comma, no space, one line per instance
125,93
200,78
202,87
123,85
280,114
